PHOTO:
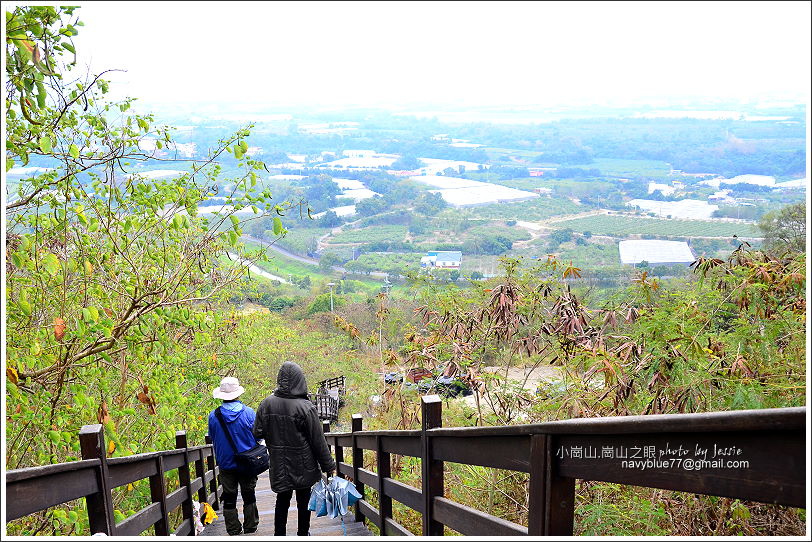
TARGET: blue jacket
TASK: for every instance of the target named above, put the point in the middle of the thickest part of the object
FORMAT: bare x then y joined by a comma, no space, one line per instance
240,421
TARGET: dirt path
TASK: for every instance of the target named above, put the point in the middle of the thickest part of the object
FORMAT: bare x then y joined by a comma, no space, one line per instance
529,377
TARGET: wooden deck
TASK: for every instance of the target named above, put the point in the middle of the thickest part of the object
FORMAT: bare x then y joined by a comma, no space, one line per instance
266,500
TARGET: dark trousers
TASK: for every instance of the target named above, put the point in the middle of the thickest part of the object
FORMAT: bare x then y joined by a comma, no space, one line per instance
247,486
281,511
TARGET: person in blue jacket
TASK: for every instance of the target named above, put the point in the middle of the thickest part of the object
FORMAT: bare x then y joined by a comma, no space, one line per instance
239,420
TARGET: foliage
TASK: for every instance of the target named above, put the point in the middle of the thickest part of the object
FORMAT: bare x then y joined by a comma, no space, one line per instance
328,260
322,303
113,280
785,229
395,264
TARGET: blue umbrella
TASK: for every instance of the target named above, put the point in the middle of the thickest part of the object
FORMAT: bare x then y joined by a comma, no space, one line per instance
340,494
333,498
318,502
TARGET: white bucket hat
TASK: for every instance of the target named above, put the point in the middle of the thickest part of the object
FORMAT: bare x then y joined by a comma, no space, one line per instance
229,389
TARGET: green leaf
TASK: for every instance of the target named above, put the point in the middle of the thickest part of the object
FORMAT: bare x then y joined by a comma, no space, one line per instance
74,151
23,303
9,163
45,144
51,263
55,437
232,238
277,225
41,95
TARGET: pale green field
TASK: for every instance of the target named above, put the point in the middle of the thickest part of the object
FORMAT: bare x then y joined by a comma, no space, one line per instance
624,225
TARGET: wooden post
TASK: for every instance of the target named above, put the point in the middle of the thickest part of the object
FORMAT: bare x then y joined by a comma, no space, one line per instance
432,416
536,509
157,490
339,460
357,463
99,505
384,471
210,465
185,479
200,472
552,497
559,496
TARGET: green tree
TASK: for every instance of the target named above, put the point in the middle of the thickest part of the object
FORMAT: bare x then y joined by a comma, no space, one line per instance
113,278
407,162
322,303
328,260
785,229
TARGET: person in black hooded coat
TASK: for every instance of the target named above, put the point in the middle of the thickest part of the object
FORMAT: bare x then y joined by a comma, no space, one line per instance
288,422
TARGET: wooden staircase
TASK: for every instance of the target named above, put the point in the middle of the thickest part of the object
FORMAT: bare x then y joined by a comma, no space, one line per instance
266,501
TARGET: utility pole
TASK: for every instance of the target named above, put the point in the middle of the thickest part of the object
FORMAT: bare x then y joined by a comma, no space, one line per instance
331,284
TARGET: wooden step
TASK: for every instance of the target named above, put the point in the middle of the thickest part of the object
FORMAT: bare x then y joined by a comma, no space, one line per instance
266,502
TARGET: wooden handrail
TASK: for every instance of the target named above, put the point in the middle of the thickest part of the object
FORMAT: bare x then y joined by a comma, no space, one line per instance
34,489
682,452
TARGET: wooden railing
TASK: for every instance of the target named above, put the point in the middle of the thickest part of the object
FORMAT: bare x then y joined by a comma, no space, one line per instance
34,489
338,382
326,406
768,444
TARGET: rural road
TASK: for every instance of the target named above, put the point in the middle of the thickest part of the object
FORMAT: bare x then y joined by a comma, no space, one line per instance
256,270
288,254
303,259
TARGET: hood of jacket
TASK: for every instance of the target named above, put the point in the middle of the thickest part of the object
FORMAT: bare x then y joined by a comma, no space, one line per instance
231,410
291,382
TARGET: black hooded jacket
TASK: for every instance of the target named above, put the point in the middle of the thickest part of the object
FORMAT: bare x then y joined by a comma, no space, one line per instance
288,422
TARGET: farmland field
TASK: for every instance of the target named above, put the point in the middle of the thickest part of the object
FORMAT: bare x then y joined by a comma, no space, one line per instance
617,167
513,233
568,187
370,235
627,225
282,266
386,261
300,240
536,209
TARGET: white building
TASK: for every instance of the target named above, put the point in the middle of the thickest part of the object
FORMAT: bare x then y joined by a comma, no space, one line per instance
722,196
664,189
442,259
655,252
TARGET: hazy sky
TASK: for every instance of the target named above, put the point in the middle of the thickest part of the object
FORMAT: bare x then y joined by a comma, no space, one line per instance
460,53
